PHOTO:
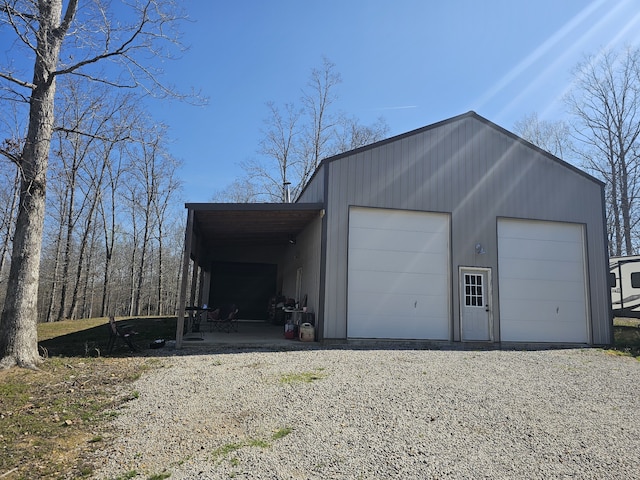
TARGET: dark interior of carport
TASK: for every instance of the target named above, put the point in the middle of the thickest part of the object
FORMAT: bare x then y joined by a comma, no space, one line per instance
238,248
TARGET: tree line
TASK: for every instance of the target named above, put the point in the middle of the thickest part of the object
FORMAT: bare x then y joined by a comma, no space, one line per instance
113,227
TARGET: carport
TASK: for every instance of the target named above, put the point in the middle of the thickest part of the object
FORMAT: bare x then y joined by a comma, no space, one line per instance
238,251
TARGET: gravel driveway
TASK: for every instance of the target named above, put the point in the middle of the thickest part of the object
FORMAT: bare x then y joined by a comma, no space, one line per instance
385,413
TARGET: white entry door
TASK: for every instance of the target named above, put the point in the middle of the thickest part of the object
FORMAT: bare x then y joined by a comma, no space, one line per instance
475,304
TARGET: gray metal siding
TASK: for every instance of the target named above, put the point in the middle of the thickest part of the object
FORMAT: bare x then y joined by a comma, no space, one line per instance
306,254
313,192
478,173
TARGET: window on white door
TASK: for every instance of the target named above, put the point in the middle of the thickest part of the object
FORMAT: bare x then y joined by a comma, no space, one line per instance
474,293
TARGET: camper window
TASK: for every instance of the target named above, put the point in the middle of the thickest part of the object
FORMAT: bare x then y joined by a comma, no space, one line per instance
635,280
612,280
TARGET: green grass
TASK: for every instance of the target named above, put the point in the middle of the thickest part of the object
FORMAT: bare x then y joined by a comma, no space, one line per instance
50,419
159,476
226,450
90,337
302,377
281,433
626,337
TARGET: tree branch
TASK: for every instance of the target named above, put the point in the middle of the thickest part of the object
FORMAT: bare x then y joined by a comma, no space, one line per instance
11,156
17,81
90,135
68,18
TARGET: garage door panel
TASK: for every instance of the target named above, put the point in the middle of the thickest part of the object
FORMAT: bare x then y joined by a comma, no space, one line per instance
393,261
389,306
539,322
397,283
539,312
398,274
378,239
394,220
527,230
398,327
532,249
523,330
538,269
533,289
542,283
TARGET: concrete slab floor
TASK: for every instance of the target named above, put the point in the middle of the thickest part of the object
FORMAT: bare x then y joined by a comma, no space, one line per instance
250,333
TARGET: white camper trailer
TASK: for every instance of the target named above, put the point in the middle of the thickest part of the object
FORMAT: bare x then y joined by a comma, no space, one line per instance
624,274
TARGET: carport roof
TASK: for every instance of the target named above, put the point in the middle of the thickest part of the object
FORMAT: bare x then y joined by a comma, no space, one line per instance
235,224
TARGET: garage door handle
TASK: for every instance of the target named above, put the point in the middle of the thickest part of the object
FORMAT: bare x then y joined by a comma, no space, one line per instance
486,308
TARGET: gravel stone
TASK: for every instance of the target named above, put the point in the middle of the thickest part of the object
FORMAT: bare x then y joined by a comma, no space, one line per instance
381,413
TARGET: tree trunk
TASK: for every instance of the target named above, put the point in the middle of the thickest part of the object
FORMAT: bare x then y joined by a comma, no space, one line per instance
160,273
140,277
109,231
8,233
617,231
18,332
56,271
83,245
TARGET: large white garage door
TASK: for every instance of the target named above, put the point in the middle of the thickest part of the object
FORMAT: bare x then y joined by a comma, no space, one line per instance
542,282
398,284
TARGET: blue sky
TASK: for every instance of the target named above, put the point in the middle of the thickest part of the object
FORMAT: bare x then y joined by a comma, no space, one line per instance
414,62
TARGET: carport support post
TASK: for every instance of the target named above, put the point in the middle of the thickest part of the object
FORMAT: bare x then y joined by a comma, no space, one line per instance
186,258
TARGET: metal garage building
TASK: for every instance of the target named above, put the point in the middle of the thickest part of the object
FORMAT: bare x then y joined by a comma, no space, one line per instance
459,231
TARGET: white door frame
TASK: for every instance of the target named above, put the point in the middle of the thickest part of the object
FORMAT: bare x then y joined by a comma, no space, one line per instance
487,298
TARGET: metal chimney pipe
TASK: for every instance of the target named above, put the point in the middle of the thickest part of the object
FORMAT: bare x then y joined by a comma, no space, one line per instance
287,192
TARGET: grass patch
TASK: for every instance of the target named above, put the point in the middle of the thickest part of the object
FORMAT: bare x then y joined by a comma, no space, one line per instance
626,337
127,475
281,433
226,450
51,419
302,377
257,442
90,337
159,476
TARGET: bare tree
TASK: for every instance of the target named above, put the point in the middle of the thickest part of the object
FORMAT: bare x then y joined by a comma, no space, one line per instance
108,207
605,101
241,190
114,156
317,100
43,30
8,205
11,143
83,119
554,137
279,164
151,185
352,134
295,140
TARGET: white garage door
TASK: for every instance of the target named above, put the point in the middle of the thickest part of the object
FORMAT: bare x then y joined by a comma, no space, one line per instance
542,282
398,284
